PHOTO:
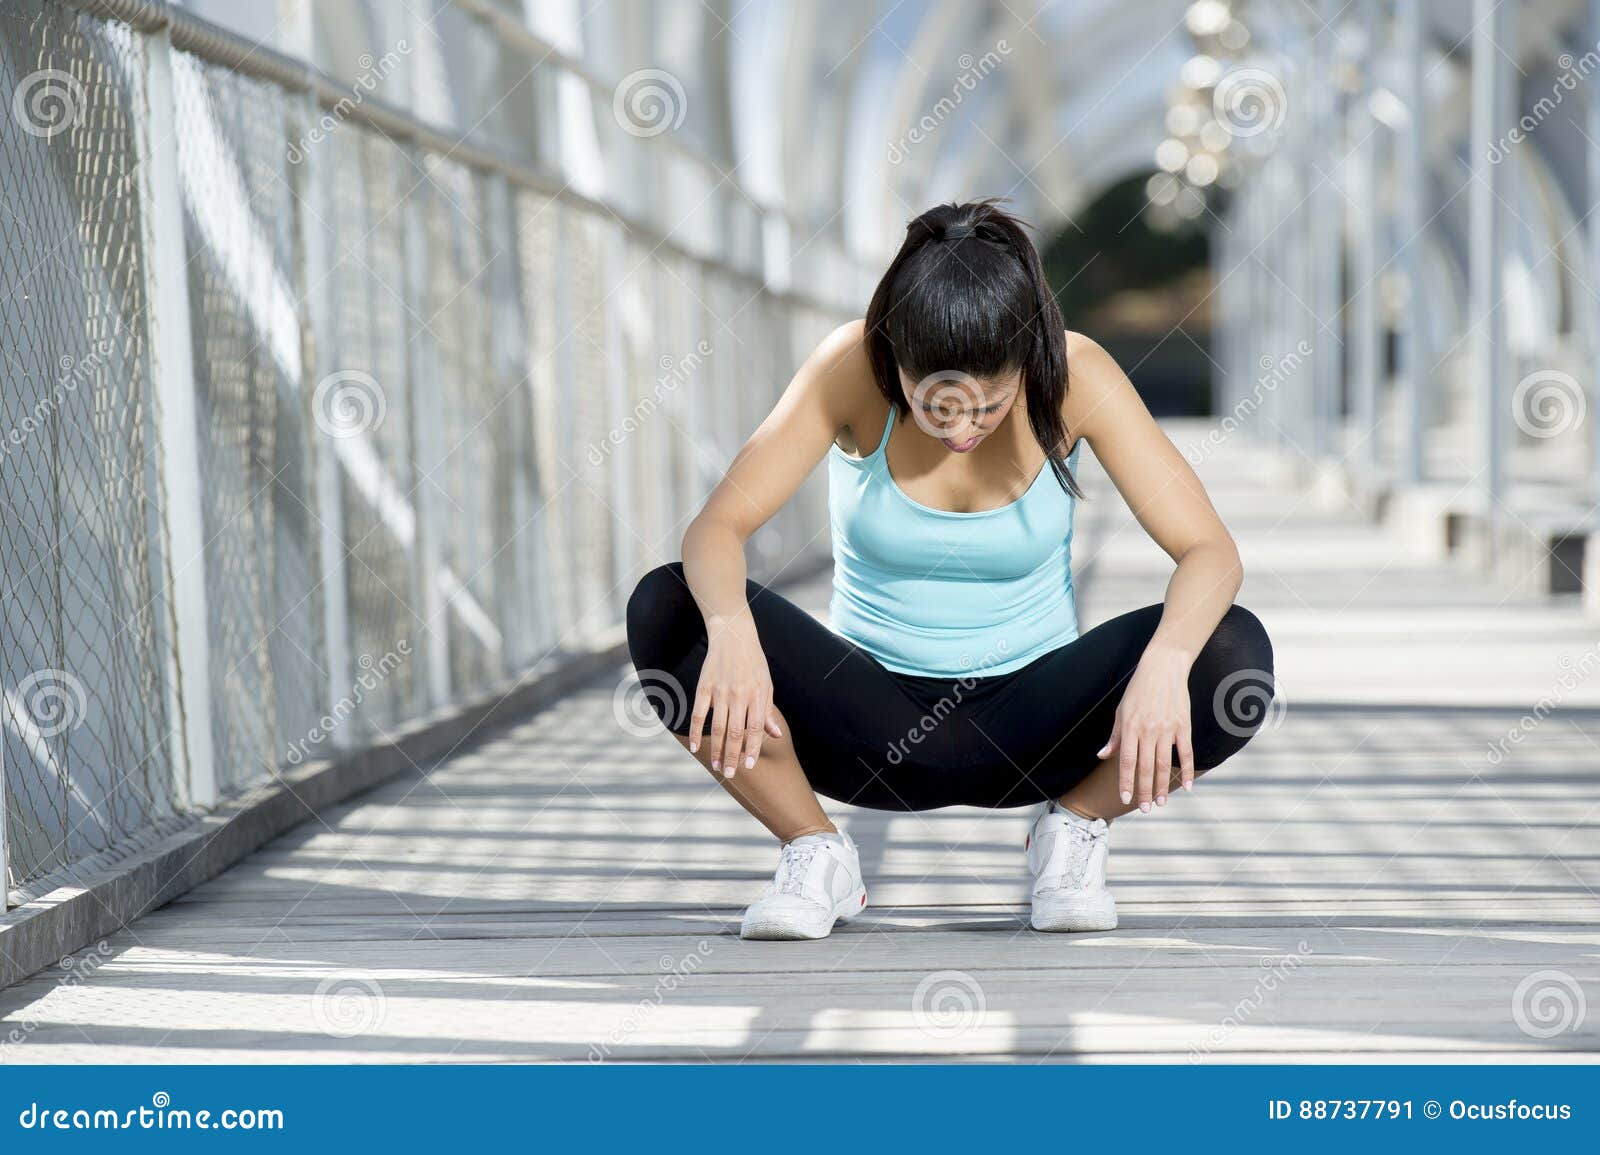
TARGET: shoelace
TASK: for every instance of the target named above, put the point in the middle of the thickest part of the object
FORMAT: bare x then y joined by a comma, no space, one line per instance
793,868
1080,841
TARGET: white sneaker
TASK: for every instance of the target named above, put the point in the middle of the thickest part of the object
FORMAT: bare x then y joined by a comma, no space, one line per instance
817,884
1067,855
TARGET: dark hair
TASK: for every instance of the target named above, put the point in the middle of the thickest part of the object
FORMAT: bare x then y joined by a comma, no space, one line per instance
966,293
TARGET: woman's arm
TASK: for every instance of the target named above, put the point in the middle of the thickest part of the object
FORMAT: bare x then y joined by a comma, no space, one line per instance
1172,506
735,686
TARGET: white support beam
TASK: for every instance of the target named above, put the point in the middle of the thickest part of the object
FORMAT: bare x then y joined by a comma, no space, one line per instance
188,678
1592,236
1413,358
508,335
1299,273
1324,225
615,258
427,442
315,179
1366,215
1492,111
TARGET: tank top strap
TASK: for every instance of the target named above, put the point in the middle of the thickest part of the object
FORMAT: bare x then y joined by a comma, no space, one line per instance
888,427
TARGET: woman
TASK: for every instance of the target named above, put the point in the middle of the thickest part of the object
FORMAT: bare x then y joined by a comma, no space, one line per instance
954,673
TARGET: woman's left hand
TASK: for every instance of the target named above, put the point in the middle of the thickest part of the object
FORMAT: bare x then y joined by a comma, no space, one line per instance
1152,718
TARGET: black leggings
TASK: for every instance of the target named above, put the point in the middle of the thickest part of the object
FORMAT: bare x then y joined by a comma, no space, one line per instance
872,737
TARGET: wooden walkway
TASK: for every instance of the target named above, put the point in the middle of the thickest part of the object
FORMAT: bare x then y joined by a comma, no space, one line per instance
1365,881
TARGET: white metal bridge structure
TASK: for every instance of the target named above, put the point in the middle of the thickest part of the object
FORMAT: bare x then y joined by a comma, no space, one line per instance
358,356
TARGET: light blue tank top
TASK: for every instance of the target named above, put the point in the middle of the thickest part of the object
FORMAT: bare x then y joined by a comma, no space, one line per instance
941,594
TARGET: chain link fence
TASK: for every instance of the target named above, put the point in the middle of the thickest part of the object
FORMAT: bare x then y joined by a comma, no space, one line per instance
89,744
444,413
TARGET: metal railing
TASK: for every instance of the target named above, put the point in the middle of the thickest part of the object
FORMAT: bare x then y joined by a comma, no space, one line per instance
1413,329
317,419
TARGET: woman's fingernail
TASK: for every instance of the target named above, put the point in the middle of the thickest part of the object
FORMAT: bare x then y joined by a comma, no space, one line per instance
1189,786
749,762
716,763
728,773
1126,798
1162,801
1144,808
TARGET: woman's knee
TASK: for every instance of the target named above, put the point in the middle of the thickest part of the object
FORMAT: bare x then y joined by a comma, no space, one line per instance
654,611
1232,687
659,635
1240,642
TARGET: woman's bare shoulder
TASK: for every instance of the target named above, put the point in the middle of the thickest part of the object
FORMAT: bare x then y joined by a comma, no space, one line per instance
1094,383
1088,360
841,356
842,371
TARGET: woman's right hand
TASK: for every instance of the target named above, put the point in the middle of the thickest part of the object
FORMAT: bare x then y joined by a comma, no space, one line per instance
735,688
